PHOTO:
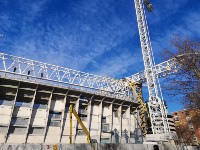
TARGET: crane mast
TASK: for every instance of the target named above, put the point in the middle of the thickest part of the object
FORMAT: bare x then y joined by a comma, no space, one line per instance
157,109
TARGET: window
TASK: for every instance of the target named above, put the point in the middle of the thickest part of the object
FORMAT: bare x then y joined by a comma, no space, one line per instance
191,127
80,132
194,138
116,114
176,118
105,140
103,119
132,134
105,128
187,113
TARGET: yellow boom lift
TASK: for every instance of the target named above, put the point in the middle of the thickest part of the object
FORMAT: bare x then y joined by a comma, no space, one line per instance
72,110
143,112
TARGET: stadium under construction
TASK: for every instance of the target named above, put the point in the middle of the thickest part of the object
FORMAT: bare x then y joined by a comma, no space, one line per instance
32,112
35,98
42,103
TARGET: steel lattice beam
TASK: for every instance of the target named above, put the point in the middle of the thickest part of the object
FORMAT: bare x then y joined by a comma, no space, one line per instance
161,70
21,68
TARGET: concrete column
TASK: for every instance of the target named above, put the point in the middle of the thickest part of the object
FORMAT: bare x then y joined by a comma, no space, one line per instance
137,118
32,103
100,120
120,119
111,121
48,107
62,116
128,114
13,106
89,109
76,108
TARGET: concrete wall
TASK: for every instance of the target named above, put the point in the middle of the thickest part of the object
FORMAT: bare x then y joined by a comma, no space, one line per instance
89,147
36,114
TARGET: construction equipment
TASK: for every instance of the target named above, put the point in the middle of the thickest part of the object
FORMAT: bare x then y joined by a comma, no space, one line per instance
71,110
148,5
66,77
33,70
137,89
157,108
161,70
80,80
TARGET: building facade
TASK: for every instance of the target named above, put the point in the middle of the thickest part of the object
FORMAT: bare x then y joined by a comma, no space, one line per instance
37,113
188,125
171,124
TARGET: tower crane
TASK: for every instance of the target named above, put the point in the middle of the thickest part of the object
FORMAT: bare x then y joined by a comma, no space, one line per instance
157,109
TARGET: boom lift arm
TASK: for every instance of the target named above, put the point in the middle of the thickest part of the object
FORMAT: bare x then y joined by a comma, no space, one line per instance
143,112
80,122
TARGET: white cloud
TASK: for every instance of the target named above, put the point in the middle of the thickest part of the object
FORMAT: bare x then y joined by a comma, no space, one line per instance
76,37
164,9
116,66
73,44
187,26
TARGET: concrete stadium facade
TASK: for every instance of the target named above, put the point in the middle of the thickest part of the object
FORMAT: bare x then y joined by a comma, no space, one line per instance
32,112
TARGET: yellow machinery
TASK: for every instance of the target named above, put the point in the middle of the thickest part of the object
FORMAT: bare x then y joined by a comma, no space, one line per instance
80,122
137,89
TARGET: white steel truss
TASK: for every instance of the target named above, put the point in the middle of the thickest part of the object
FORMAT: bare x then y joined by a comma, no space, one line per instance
79,79
161,70
30,70
157,110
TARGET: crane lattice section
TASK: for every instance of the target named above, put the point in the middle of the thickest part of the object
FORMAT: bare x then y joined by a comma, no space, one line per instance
26,69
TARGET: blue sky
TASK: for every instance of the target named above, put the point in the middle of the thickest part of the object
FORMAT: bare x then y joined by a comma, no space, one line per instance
95,36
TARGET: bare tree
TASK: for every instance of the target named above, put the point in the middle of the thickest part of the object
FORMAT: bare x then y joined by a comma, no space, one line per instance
186,82
184,86
184,135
